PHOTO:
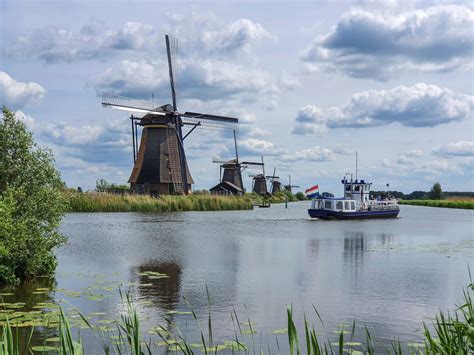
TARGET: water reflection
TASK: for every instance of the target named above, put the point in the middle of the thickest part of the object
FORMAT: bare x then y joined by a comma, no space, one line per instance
163,292
259,261
32,295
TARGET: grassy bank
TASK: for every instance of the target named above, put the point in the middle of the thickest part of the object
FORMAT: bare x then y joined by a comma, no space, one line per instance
465,204
451,333
279,197
103,202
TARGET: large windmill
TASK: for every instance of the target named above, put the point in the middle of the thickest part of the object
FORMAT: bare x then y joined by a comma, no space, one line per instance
230,176
160,165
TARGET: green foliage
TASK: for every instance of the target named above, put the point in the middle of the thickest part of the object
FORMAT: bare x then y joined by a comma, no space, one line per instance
105,186
104,202
469,205
31,204
300,196
449,334
436,193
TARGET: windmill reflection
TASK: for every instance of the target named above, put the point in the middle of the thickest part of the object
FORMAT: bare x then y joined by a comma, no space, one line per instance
163,292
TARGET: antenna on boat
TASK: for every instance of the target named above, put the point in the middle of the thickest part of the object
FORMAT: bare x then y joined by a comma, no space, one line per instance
356,165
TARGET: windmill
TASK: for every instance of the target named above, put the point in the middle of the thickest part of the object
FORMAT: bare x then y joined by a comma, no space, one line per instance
230,175
259,182
160,165
289,187
275,181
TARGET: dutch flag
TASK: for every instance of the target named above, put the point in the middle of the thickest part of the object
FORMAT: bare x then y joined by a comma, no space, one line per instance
312,192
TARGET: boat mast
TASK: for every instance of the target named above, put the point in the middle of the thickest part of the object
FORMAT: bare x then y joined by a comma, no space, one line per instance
356,165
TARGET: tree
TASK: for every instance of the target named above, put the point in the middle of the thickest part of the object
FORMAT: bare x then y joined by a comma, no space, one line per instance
436,193
31,204
102,185
300,196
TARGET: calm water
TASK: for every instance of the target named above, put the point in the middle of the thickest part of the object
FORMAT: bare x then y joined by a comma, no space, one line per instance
388,275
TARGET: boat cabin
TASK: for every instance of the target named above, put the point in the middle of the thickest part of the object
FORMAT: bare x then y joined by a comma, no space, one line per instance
357,190
334,204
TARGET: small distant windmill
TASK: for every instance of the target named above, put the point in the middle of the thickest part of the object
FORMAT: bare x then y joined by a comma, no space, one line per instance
160,165
259,182
275,181
289,187
230,175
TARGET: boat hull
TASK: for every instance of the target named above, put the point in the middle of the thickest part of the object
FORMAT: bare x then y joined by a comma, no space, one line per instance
327,214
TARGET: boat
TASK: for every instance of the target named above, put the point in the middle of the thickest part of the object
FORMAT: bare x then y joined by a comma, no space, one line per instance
356,204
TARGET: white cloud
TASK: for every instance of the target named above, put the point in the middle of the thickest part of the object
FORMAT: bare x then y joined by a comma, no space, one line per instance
409,157
110,143
204,34
414,153
252,146
461,149
204,80
316,154
376,45
421,105
17,94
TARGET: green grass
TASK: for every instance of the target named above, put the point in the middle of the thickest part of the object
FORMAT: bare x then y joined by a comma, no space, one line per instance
451,333
103,202
440,203
279,197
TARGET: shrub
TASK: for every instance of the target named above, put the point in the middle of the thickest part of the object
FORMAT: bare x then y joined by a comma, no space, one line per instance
436,193
31,204
300,196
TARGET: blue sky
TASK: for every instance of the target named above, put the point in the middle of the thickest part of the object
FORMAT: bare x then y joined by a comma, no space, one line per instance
311,83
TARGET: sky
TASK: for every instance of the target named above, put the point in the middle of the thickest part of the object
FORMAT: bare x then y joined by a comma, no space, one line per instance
311,83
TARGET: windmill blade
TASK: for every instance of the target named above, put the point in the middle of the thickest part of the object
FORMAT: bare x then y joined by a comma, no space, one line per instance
131,105
251,163
205,116
219,161
211,122
171,51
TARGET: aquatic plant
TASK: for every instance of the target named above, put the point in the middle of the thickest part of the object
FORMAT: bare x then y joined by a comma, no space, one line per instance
449,334
103,202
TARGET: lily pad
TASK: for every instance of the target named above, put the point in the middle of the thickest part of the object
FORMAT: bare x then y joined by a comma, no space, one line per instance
279,331
43,348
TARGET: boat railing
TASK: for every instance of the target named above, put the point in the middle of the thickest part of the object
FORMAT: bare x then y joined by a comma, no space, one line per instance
383,204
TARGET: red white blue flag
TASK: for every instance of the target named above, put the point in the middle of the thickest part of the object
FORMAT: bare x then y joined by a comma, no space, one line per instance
312,191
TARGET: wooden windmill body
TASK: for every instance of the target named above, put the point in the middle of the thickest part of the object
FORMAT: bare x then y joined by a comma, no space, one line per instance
289,187
160,165
231,182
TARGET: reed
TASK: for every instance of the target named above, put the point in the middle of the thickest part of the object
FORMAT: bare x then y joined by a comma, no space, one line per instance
464,204
449,334
103,202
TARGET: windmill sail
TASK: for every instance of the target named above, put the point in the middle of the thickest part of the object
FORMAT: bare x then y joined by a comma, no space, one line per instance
160,165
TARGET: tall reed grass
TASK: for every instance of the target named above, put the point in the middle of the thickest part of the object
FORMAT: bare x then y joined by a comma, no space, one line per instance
448,334
440,203
103,202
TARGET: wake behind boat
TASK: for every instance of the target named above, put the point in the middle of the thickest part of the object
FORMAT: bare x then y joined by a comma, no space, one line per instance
356,204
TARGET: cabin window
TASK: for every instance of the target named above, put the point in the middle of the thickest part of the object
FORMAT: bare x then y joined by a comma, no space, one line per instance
339,205
347,205
353,205
348,187
327,205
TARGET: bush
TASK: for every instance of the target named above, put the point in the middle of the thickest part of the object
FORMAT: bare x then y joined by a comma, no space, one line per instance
436,193
31,204
300,196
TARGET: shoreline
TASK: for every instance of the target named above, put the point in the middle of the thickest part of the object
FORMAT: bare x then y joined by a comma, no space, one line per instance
103,202
466,205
